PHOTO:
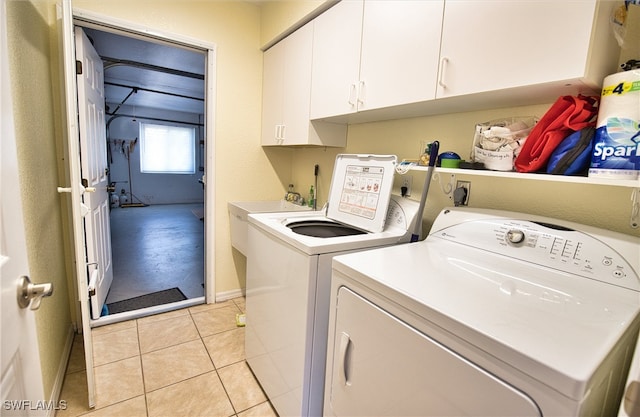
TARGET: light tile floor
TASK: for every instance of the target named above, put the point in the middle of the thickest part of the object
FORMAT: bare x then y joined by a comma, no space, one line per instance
187,362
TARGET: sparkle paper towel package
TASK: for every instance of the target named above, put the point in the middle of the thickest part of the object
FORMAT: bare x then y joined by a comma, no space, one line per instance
616,151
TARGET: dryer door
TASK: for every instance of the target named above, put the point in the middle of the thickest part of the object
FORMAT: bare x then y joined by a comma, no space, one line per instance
383,367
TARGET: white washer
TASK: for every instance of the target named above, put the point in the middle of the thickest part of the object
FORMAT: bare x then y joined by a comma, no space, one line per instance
494,313
289,275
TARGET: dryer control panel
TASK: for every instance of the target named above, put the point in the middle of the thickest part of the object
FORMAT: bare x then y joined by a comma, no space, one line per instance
547,244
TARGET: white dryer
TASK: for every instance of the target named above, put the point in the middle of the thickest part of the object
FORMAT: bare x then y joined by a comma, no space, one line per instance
493,314
289,274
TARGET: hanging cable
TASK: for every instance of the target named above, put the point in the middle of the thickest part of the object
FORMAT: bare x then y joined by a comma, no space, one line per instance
635,208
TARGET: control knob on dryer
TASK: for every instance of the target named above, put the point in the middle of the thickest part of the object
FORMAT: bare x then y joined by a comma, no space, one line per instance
515,237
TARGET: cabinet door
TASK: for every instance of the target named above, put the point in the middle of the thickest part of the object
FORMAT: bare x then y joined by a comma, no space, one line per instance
272,93
400,50
336,60
383,367
493,45
297,86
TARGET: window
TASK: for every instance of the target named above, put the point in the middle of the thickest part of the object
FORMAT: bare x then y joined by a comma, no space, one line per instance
167,149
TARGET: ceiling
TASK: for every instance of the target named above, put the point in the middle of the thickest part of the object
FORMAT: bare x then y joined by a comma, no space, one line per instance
141,74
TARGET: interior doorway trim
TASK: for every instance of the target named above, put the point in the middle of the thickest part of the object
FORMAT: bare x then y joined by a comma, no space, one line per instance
102,22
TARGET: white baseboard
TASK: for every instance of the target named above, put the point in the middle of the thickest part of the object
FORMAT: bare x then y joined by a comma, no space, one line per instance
228,295
62,369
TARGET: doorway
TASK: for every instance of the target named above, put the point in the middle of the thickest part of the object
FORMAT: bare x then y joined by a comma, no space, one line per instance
68,18
157,217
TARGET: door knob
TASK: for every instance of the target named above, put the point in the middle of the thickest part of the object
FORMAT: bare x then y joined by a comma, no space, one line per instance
29,293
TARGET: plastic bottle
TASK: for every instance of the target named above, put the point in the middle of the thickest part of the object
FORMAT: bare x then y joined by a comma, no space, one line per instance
115,200
124,198
311,199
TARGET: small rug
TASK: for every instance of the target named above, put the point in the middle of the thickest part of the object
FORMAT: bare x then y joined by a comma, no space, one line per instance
148,300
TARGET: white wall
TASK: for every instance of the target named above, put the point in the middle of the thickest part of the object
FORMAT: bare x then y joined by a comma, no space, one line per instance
151,188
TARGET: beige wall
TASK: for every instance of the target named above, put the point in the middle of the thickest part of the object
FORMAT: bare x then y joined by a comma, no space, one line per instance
601,206
280,15
244,171
32,51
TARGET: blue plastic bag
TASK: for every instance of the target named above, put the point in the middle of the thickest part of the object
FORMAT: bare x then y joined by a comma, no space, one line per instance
572,156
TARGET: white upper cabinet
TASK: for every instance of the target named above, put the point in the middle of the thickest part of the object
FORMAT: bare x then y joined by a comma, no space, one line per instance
374,54
286,94
501,44
399,55
377,59
336,60
273,94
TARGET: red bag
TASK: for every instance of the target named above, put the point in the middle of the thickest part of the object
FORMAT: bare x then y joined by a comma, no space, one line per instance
567,115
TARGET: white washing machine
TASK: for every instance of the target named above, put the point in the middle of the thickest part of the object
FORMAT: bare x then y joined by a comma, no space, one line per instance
630,404
493,314
289,275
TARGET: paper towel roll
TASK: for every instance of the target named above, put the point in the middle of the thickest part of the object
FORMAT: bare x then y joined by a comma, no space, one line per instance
616,152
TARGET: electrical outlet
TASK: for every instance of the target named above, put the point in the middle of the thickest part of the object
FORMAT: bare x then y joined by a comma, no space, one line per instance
462,198
407,181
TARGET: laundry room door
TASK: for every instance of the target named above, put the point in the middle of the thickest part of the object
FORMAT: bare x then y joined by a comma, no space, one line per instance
93,159
21,386
81,215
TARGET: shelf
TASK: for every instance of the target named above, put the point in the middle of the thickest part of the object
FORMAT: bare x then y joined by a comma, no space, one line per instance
538,177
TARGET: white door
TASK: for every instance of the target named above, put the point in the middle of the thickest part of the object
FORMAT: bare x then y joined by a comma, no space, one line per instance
21,376
77,190
93,151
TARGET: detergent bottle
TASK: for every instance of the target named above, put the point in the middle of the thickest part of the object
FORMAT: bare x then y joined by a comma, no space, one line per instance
312,198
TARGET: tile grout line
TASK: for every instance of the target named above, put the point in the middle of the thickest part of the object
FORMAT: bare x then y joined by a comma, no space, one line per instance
215,368
144,387
201,337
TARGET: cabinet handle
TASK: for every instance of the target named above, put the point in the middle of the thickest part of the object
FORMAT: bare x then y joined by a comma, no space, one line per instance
279,134
282,133
345,357
353,90
443,61
361,92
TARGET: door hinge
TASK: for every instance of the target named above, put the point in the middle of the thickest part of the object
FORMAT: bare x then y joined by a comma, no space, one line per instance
78,67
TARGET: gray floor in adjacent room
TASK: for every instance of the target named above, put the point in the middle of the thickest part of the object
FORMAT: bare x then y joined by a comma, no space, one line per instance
156,248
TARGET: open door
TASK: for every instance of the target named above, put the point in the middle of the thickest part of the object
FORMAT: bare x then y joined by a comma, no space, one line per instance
94,168
82,216
88,186
21,385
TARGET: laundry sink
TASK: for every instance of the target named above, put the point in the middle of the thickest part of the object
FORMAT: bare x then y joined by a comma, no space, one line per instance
239,210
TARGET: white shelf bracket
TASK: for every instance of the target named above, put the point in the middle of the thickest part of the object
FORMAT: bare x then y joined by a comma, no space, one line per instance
448,188
634,221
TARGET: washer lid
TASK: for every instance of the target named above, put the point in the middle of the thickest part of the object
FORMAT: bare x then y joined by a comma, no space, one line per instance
361,189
